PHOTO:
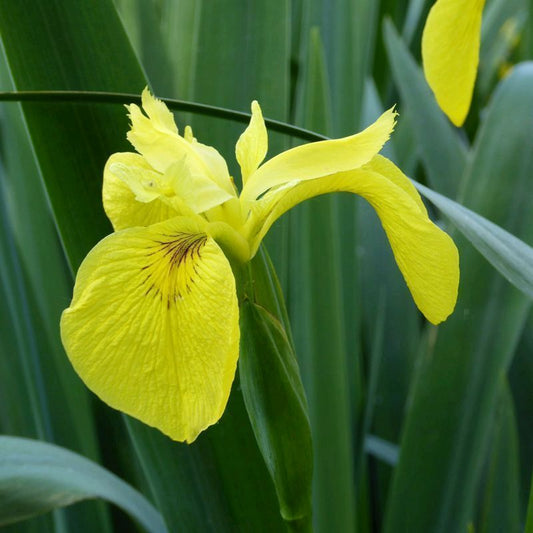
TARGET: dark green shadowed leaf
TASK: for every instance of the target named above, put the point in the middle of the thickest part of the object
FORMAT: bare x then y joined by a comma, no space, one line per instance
441,150
36,477
218,484
274,397
447,431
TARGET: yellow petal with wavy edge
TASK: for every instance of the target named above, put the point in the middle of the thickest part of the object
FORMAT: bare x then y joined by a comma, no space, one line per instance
323,158
252,146
120,205
153,327
161,146
450,54
426,256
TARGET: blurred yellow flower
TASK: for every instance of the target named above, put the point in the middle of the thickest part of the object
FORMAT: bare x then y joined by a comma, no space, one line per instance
153,327
450,54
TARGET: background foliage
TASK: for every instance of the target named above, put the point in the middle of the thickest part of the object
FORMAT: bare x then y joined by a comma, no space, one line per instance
415,428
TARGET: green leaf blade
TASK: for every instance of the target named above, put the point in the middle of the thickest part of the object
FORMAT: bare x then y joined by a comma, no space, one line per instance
275,401
36,477
448,424
509,255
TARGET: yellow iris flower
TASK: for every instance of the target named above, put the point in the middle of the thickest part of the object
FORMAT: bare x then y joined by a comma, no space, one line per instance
450,54
153,327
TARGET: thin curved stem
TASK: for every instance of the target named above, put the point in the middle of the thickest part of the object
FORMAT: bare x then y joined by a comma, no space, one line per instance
179,105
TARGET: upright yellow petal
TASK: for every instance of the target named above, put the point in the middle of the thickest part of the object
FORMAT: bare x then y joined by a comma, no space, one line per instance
426,256
120,204
323,158
252,146
156,138
161,117
196,191
450,54
153,326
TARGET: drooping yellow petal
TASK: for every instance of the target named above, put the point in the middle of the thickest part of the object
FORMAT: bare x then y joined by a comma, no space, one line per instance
153,326
323,158
252,146
161,146
389,170
426,256
450,54
120,204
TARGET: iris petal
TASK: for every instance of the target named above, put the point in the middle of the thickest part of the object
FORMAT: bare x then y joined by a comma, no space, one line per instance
426,256
252,146
120,204
450,54
323,158
162,147
153,326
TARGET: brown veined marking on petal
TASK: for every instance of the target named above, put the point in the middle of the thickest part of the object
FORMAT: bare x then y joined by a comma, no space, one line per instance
170,274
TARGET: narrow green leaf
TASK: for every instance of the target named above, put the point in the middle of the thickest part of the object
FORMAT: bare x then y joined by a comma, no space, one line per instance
441,150
509,255
226,51
47,288
143,21
316,313
274,397
17,305
529,520
180,31
36,477
448,425
348,30
500,487
18,413
384,299
79,224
